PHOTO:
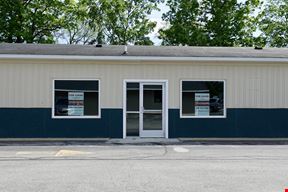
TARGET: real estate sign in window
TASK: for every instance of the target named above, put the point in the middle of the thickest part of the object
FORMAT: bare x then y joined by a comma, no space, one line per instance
202,99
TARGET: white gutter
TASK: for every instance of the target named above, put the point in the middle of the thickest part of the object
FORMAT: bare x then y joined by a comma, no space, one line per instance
142,58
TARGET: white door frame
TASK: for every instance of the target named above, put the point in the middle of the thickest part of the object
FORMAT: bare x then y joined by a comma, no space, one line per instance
151,133
165,102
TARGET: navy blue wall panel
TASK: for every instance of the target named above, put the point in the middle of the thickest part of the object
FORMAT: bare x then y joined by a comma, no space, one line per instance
37,123
257,123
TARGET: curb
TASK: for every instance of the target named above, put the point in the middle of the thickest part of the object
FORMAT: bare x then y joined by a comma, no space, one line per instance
141,141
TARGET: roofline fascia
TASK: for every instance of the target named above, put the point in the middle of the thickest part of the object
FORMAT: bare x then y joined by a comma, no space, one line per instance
143,58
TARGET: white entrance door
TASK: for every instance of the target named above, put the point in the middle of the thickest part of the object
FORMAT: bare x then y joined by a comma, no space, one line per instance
152,117
146,117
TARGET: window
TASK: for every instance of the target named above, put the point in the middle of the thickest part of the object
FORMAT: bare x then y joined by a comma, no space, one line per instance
76,99
203,99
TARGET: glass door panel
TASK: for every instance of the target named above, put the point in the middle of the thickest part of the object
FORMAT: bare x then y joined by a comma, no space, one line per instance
152,106
132,124
151,114
152,121
132,109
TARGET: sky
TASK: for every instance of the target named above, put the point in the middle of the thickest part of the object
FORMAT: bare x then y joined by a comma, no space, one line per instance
156,16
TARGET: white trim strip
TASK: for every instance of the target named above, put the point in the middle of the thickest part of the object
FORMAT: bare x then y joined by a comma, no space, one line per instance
142,58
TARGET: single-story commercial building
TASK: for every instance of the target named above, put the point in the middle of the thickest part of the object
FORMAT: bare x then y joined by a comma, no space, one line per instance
76,91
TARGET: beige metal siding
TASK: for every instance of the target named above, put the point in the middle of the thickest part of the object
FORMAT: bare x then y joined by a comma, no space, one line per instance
28,83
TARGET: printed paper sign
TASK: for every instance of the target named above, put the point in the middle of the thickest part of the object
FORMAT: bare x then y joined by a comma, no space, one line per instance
202,107
202,97
76,96
202,110
75,103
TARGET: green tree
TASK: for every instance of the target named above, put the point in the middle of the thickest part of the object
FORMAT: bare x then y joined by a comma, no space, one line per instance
11,18
210,23
229,23
184,25
121,21
76,28
31,21
274,23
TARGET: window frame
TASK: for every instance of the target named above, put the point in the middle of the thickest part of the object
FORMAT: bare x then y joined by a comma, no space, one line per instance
201,117
76,117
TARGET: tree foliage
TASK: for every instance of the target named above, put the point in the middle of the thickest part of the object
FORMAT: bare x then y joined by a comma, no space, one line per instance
77,21
76,27
10,21
190,22
274,23
185,26
229,23
30,20
209,22
123,21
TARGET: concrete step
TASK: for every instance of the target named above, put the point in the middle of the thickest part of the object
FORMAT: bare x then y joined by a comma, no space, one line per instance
144,141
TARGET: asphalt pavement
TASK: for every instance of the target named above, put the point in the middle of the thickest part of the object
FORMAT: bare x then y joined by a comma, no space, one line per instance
221,168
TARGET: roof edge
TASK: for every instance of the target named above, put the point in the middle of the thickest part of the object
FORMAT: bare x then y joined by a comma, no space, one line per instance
143,58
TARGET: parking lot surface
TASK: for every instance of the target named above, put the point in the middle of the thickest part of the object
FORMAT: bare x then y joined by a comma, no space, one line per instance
221,168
